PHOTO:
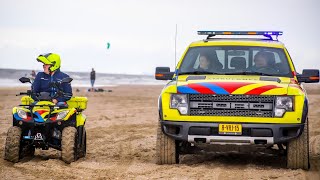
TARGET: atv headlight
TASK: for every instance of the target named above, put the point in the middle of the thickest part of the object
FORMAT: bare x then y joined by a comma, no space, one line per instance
180,102
62,115
22,114
283,104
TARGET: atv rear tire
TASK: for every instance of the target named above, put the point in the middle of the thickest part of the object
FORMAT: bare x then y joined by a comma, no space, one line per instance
68,144
298,151
83,145
12,147
166,149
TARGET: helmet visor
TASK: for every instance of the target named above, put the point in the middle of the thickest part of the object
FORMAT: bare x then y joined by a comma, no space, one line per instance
43,60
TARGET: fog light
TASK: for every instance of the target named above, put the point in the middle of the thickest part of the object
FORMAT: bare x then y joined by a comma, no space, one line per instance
20,122
279,112
59,123
183,110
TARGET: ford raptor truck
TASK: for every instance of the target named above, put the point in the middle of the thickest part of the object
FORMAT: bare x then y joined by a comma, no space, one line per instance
235,88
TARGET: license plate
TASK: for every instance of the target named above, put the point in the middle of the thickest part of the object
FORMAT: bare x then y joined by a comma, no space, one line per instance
230,129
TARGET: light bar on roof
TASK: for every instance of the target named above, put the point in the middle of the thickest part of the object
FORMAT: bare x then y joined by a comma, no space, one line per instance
276,33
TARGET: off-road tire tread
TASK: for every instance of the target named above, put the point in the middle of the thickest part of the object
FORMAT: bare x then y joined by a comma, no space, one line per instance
12,146
165,148
298,151
83,146
68,144
85,143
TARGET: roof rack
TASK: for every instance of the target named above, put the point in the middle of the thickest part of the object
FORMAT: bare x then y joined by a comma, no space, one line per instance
267,34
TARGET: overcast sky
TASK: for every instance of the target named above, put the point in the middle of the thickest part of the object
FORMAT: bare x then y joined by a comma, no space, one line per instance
141,33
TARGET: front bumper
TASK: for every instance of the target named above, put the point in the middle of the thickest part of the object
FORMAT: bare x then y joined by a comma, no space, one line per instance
26,125
251,133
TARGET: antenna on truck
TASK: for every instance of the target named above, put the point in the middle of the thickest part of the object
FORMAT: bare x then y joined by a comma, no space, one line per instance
175,46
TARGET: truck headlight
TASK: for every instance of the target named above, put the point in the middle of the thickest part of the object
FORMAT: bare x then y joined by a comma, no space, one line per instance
180,102
62,115
22,114
283,104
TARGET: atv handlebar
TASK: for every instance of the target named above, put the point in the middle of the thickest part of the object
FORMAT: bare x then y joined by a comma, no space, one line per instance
45,95
28,93
22,93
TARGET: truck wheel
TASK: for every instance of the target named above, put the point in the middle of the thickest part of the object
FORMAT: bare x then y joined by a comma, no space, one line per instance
68,144
166,149
298,151
12,147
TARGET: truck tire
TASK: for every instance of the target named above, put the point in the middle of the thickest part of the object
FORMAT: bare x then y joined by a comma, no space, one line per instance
298,151
166,149
68,144
12,147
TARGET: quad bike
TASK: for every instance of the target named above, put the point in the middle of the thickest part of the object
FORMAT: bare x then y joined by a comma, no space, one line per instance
39,123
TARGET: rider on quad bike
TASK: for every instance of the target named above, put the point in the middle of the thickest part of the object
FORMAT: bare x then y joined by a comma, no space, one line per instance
51,73
48,116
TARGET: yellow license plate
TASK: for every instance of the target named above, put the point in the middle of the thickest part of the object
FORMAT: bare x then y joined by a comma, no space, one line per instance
232,129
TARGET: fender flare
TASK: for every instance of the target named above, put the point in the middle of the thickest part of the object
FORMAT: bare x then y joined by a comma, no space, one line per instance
305,111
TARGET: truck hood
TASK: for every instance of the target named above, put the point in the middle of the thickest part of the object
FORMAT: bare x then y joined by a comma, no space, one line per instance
232,84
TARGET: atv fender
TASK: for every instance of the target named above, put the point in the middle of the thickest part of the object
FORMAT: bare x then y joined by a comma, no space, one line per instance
81,119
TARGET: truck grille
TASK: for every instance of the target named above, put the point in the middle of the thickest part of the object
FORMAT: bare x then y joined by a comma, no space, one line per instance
231,105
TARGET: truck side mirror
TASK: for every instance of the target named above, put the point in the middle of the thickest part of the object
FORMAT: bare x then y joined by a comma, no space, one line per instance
163,73
309,76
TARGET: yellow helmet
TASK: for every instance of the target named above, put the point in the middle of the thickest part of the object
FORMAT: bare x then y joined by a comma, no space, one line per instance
50,59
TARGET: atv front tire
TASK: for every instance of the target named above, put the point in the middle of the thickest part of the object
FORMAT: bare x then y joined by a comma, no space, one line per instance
83,145
166,150
12,147
298,151
68,144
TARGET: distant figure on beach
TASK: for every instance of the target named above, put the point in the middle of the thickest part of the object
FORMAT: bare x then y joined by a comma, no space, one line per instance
51,72
33,75
92,78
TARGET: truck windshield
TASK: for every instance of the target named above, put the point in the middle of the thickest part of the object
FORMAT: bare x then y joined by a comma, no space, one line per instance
236,60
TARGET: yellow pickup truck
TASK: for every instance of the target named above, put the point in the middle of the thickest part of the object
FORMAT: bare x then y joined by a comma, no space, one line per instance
235,88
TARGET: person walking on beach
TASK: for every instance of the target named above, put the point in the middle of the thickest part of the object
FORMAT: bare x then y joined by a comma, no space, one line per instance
33,75
92,79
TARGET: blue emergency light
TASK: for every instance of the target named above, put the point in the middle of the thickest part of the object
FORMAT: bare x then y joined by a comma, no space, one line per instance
276,33
263,33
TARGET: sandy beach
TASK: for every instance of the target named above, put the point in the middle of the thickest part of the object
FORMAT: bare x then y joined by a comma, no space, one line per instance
121,129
